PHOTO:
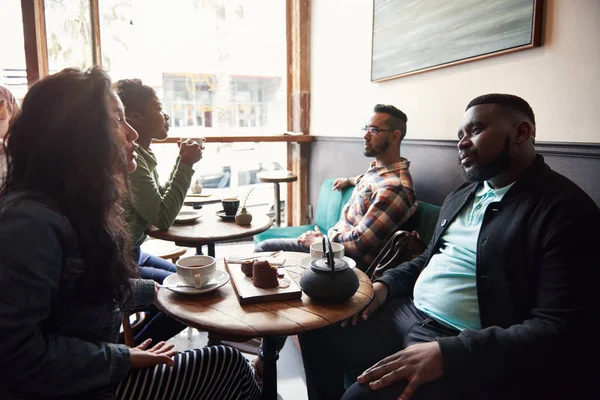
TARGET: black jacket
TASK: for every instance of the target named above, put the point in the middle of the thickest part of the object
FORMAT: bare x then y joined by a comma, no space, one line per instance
537,283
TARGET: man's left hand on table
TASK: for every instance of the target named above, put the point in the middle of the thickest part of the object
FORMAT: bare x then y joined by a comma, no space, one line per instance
418,364
309,237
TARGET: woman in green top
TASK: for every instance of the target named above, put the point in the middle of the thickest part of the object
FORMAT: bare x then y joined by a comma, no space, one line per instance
152,203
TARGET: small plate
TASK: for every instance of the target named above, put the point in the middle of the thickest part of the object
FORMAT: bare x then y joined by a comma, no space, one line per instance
221,214
187,216
219,279
305,262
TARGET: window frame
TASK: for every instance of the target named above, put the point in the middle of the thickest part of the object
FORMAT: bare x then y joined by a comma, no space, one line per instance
298,87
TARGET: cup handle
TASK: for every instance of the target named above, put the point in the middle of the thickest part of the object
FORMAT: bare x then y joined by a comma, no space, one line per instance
197,280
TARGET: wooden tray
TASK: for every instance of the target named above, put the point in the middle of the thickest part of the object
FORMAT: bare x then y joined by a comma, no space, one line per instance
247,293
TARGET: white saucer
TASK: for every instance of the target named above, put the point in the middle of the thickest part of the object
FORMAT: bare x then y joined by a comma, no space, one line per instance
305,262
219,279
187,216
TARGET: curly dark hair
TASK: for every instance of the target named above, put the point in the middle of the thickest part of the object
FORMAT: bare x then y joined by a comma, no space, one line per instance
134,94
397,118
63,146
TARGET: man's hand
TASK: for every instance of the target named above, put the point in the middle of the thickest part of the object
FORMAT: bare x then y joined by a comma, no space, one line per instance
380,292
309,237
341,183
419,363
161,353
190,152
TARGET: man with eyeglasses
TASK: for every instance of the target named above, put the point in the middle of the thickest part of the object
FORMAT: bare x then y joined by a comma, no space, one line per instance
383,199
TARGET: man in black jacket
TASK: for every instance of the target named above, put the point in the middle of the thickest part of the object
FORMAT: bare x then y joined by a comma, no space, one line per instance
502,302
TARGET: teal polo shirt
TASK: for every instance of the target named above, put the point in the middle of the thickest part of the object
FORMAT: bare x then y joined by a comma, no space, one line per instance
446,290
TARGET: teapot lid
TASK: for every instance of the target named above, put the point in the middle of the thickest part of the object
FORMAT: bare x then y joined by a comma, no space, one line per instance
321,264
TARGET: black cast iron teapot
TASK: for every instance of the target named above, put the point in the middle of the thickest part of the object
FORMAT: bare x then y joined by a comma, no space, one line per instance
329,279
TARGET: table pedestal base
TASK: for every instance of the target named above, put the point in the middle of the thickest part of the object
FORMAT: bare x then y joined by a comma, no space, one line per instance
277,205
269,356
210,250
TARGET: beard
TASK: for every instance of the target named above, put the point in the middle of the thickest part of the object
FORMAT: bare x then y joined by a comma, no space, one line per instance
376,150
484,172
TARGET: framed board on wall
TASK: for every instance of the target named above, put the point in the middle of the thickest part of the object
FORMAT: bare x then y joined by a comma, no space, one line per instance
413,36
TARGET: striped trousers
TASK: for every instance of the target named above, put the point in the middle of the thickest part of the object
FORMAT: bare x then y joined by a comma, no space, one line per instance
216,372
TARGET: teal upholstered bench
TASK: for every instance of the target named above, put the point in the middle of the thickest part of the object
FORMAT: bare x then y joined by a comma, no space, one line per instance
423,221
328,212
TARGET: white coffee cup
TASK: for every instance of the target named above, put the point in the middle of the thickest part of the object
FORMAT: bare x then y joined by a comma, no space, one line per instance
200,141
196,270
316,250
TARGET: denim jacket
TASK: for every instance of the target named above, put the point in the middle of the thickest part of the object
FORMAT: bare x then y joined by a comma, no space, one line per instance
50,344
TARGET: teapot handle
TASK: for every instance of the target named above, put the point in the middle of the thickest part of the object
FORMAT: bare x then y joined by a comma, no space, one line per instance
329,255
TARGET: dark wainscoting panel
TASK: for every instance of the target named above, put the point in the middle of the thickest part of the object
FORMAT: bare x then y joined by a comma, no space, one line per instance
434,164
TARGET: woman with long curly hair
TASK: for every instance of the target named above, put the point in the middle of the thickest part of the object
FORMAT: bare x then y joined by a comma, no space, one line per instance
66,270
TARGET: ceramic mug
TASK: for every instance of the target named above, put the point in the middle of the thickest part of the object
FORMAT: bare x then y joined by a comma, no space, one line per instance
196,270
230,206
316,250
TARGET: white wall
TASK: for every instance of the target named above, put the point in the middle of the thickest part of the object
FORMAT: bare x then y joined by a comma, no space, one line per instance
561,79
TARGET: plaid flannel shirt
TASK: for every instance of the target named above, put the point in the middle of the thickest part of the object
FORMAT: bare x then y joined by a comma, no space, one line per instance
382,200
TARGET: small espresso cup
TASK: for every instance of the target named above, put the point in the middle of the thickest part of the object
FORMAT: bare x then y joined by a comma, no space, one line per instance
316,250
196,270
230,206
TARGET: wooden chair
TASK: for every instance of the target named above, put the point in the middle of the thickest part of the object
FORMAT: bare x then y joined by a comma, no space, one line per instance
129,328
165,250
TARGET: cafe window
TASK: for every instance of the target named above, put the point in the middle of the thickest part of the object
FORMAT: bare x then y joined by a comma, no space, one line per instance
13,71
218,66
191,102
231,169
68,34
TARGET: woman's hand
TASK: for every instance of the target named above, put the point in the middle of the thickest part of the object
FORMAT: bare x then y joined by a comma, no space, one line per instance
161,353
190,152
341,183
380,292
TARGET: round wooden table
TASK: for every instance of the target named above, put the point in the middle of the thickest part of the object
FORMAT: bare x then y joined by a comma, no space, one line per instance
219,312
277,177
209,229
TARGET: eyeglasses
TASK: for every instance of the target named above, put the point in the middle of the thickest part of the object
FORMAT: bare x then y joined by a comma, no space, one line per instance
373,130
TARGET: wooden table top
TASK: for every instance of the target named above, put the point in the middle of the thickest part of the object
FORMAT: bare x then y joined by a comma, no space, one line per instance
219,312
209,228
201,201
276,176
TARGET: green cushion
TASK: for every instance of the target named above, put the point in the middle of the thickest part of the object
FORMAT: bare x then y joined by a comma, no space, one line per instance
423,221
289,232
329,209
331,204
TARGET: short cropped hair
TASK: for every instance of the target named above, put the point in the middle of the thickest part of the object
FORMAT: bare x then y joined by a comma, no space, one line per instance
509,101
397,118
134,94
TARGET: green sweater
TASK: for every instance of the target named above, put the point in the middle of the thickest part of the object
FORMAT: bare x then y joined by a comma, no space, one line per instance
152,203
